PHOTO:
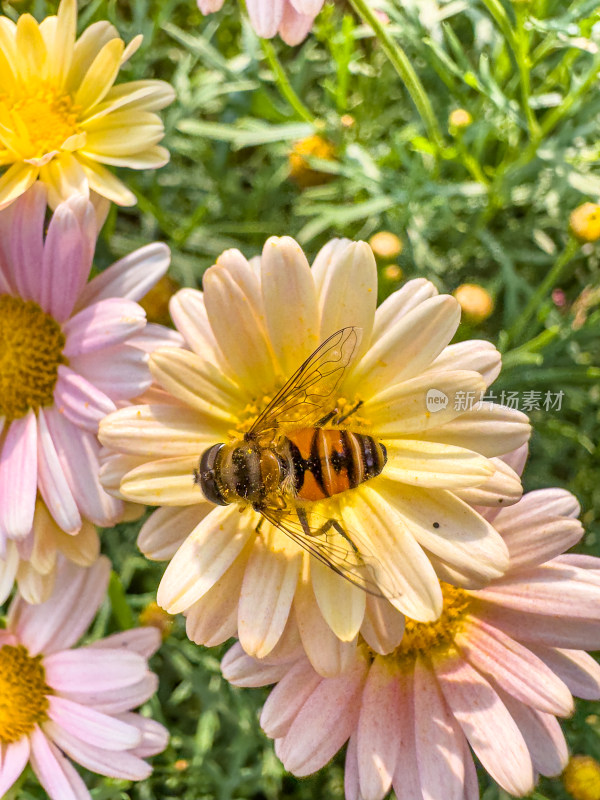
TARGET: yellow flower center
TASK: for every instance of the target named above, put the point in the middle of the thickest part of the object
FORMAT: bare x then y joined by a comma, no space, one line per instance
423,637
31,344
44,117
23,693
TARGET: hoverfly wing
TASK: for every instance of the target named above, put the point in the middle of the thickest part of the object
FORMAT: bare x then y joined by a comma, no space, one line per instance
301,401
337,551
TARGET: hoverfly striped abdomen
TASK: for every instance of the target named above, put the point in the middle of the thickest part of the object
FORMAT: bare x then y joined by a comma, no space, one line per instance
326,462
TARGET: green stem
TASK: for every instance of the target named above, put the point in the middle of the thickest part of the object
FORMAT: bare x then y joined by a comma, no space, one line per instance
545,286
404,68
285,87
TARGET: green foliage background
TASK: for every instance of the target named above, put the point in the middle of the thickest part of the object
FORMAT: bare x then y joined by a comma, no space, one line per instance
490,205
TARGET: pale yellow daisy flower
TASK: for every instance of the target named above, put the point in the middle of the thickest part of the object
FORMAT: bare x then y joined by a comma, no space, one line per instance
250,329
61,117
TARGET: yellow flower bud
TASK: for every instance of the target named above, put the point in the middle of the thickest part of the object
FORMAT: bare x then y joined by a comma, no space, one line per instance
300,171
153,616
386,244
475,301
156,302
347,120
585,222
392,272
459,118
581,778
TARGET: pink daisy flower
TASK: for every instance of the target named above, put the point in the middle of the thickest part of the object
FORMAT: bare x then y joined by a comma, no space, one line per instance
291,19
56,701
71,352
492,673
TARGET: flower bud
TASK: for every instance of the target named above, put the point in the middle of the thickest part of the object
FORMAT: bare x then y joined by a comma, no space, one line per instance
585,222
385,245
300,171
475,301
581,778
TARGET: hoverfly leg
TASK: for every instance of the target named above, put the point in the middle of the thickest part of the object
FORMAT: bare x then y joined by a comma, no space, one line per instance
325,527
349,413
327,418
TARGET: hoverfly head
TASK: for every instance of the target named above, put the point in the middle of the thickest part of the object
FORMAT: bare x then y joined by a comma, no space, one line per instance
206,476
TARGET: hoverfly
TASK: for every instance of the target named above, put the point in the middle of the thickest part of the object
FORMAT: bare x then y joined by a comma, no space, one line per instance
288,460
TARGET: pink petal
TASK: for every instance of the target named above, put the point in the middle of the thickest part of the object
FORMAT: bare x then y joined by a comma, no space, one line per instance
242,670
63,268
121,372
154,336
265,17
487,724
577,669
18,476
377,736
56,775
324,722
543,735
406,780
53,484
81,402
294,27
539,527
555,589
438,739
13,760
513,667
63,619
155,737
351,784
93,669
131,277
103,324
546,629
286,700
328,655
144,641
119,699
92,727
26,243
78,452
112,763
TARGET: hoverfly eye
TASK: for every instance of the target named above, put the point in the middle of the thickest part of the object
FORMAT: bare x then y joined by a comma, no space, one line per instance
208,476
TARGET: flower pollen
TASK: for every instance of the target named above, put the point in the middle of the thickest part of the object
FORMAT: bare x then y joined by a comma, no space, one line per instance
423,637
30,354
23,693
44,118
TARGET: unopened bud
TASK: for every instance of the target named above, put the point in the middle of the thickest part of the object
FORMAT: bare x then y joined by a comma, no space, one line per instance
475,301
585,222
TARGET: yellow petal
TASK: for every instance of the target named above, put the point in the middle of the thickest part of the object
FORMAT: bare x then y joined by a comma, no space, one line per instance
168,482
16,180
31,49
342,604
100,76
105,183
64,178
